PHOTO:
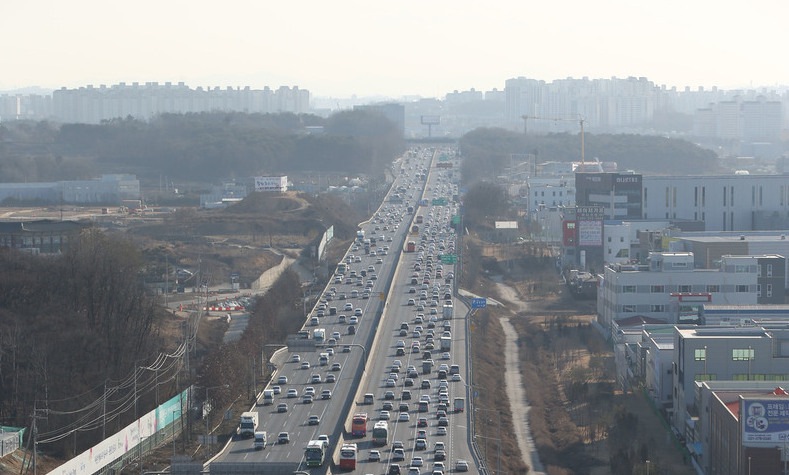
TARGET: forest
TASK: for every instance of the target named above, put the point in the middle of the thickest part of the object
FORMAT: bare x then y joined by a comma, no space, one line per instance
200,147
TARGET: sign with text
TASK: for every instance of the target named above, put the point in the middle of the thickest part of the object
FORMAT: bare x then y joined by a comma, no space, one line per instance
765,420
449,258
479,302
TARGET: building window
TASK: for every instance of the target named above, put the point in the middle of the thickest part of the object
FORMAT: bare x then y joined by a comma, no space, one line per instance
742,354
658,308
657,289
696,196
628,289
740,269
724,196
769,270
700,354
713,288
758,290
629,308
742,288
621,239
705,377
769,290
684,288
609,238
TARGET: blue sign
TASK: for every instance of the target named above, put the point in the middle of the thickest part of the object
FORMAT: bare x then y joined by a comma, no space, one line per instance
765,420
479,302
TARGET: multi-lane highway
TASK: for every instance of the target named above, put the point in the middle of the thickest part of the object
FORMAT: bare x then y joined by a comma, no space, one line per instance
351,340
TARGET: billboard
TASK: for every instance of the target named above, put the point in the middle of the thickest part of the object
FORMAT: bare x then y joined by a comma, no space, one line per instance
430,119
589,221
764,420
271,183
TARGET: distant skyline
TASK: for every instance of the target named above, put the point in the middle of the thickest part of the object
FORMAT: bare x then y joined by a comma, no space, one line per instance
410,47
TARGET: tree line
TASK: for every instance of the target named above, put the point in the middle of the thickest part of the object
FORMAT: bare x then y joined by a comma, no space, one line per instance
200,146
490,152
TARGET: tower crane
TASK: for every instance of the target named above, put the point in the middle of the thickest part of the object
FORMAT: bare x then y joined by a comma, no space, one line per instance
578,119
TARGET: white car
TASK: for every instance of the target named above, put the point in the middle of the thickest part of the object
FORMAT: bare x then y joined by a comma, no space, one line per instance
383,416
404,417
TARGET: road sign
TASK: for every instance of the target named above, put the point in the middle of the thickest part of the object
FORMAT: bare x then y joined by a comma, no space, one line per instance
439,202
479,302
449,258
456,220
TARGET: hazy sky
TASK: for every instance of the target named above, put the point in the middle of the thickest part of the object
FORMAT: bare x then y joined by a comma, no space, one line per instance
403,47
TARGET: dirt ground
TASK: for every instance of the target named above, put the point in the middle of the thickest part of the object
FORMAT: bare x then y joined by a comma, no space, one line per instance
560,353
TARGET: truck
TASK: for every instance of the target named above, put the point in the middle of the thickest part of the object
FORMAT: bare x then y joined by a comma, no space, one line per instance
459,404
360,235
411,246
446,343
427,366
319,335
248,424
260,440
268,397
448,311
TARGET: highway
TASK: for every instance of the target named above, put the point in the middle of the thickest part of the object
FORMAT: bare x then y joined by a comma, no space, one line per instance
416,273
388,231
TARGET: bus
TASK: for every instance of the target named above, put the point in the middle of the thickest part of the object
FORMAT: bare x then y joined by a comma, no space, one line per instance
411,246
348,457
419,219
381,433
315,453
359,425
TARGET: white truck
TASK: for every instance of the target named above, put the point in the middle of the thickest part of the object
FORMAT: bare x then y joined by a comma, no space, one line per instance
448,311
446,343
248,424
260,440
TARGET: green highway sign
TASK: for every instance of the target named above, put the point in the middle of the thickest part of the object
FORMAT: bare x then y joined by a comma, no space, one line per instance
449,258
456,219
439,202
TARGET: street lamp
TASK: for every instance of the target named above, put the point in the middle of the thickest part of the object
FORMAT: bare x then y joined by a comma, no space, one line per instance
647,467
206,411
498,458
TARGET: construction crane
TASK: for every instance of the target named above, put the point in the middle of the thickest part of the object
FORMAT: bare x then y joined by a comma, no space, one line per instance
578,119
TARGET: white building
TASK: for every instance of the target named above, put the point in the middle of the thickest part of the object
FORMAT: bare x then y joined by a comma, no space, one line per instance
724,203
670,289
621,242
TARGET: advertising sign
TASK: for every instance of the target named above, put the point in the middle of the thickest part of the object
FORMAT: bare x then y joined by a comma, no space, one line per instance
765,420
589,220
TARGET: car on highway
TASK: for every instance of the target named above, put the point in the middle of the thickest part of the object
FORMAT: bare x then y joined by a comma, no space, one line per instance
383,415
313,420
326,394
354,320
315,378
293,393
404,417
421,422
282,379
282,407
307,399
398,454
336,367
283,438
375,456
330,378
390,383
441,431
305,365
420,444
461,466
417,462
295,358
389,395
276,389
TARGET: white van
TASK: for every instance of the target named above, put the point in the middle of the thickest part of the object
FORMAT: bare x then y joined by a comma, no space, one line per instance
268,397
260,440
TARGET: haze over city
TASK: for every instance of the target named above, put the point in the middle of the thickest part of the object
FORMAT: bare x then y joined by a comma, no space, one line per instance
409,47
